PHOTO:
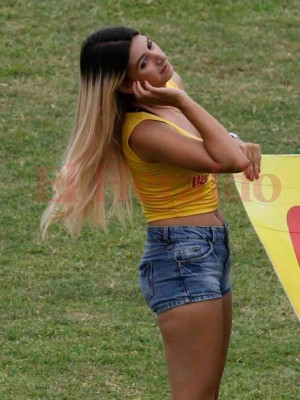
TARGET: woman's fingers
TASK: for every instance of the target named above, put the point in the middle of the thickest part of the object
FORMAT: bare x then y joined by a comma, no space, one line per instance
138,91
253,153
143,93
254,156
149,87
152,95
255,159
251,166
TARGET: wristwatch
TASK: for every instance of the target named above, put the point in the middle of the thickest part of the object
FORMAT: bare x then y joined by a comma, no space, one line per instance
234,135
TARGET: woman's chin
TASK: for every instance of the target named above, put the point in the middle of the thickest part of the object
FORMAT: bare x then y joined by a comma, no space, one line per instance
169,73
162,82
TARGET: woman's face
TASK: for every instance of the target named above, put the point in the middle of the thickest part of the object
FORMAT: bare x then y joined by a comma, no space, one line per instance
148,62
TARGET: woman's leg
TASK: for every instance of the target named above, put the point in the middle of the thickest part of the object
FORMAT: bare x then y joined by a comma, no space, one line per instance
227,323
193,340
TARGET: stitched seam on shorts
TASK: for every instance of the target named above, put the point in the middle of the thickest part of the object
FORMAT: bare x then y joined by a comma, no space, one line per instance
186,300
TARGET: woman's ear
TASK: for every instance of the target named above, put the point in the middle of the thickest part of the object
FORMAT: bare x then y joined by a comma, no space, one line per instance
125,87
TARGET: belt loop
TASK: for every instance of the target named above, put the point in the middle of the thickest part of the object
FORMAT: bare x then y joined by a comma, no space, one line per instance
165,234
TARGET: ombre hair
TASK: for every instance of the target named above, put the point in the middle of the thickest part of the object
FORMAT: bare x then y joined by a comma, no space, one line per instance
93,171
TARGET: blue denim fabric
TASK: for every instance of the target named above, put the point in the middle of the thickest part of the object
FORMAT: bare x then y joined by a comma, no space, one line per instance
184,264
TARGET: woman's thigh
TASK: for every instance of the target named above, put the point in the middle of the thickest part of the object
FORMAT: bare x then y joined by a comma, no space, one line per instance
193,335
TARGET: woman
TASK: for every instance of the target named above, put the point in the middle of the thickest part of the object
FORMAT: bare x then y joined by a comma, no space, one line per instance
136,122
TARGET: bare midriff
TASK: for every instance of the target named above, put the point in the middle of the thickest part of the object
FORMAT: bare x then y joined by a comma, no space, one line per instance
214,218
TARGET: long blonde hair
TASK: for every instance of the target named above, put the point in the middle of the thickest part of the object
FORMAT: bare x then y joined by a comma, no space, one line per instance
93,164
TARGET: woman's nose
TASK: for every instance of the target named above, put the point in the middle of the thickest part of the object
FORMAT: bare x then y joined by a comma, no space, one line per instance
160,58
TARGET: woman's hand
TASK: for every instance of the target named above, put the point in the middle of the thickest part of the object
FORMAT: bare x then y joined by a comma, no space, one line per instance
162,96
253,153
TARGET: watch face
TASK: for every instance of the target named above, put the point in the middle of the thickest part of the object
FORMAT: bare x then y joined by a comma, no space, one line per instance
234,135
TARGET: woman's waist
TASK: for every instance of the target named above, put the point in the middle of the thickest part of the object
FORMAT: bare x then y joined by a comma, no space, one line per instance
188,231
212,218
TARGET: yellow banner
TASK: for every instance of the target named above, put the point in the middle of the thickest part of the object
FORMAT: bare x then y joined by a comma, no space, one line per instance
273,205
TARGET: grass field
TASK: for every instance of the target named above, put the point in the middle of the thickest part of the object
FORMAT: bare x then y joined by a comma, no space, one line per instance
73,324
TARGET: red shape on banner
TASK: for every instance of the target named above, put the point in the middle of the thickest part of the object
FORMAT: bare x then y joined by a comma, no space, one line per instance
293,221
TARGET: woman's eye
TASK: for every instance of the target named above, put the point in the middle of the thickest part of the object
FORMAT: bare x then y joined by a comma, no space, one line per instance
144,63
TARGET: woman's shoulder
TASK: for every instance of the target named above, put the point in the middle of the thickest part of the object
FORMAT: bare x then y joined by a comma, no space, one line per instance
177,80
134,121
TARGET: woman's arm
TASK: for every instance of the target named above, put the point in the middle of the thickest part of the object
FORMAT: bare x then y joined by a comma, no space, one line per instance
219,153
217,140
156,141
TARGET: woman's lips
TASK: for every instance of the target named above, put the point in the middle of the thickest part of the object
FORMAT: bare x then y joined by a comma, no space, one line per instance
165,68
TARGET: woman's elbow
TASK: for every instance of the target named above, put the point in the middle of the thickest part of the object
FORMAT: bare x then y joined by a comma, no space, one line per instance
244,163
233,167
241,165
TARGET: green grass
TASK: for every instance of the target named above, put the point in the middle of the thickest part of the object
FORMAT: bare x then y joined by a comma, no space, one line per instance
73,322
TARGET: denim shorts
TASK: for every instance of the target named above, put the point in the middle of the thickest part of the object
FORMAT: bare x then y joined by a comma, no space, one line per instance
184,264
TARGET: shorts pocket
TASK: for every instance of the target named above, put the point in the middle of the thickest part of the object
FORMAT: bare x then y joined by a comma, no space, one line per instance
197,251
146,280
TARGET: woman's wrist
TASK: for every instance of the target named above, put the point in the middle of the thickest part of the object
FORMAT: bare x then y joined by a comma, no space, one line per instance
183,101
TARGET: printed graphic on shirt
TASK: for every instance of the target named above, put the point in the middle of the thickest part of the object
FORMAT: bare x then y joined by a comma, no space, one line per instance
199,180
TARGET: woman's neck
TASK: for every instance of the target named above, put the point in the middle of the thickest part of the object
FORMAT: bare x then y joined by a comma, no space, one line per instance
137,105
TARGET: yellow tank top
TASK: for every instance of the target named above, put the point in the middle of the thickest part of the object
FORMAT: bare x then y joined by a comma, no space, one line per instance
164,190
